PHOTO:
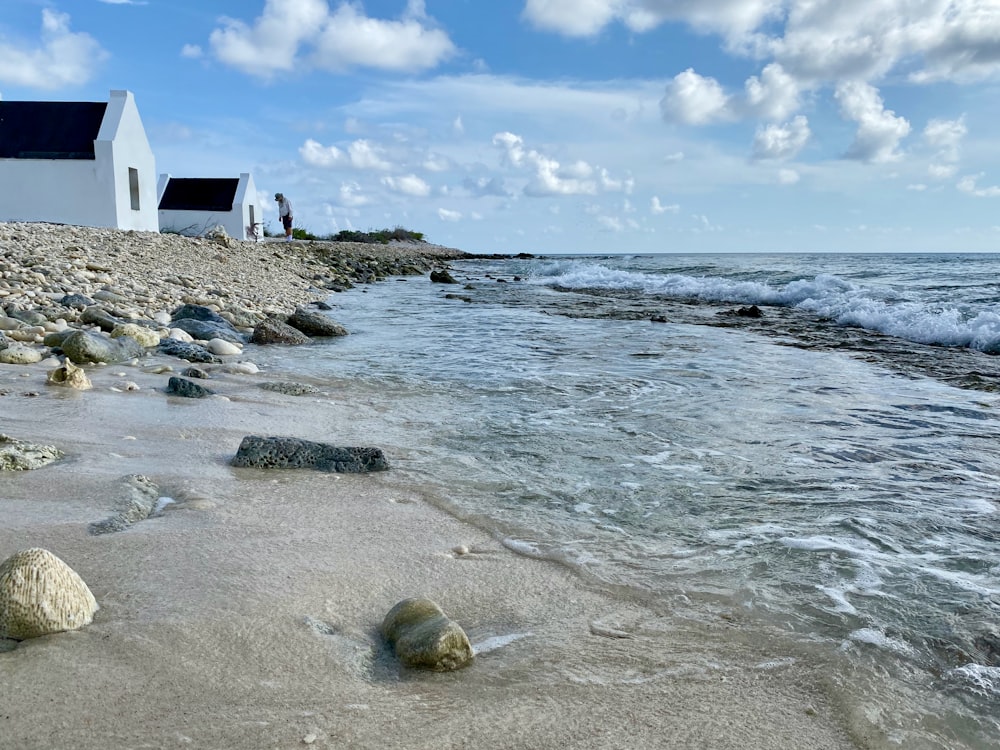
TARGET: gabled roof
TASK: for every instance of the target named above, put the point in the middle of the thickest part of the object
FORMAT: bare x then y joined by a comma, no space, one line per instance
199,194
49,130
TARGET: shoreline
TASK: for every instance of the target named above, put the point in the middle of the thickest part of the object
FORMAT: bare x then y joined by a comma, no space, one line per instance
245,614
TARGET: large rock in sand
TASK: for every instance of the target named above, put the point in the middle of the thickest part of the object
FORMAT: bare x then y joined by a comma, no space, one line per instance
16,455
272,331
314,323
40,594
293,453
423,637
87,346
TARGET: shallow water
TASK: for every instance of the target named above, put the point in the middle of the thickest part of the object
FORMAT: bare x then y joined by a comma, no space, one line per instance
814,474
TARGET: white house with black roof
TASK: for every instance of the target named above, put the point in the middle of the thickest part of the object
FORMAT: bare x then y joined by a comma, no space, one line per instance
195,205
84,163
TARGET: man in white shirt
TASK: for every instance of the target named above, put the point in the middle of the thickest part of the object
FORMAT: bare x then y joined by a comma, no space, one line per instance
285,212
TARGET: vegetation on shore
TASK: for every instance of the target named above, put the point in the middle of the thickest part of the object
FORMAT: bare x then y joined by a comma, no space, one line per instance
371,237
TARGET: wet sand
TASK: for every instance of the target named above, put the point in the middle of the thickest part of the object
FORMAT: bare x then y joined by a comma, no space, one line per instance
246,614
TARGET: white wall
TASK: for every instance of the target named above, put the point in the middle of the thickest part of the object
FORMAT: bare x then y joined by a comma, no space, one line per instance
83,191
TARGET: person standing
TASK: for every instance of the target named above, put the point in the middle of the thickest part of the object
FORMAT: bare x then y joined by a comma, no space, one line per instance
285,212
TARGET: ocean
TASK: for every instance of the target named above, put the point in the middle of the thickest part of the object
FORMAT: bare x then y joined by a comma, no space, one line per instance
824,476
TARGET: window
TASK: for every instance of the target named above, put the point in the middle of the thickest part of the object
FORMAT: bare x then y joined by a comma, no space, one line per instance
252,219
133,187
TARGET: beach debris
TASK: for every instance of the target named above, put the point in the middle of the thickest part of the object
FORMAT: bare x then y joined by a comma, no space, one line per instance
185,388
69,375
40,595
141,497
16,455
423,637
441,276
294,453
313,323
273,331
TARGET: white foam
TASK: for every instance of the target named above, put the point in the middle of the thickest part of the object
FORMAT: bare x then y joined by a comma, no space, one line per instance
881,640
979,678
497,641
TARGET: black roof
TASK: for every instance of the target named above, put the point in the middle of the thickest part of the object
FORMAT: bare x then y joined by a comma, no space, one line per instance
199,194
49,130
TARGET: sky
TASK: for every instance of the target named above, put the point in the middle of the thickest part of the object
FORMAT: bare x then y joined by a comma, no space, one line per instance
559,126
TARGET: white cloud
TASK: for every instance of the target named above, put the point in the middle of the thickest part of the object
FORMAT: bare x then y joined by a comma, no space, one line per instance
692,99
611,223
946,137
917,187
879,130
446,214
968,185
364,155
294,33
773,96
408,185
351,195
191,51
317,155
788,177
781,141
658,208
360,154
549,176
62,58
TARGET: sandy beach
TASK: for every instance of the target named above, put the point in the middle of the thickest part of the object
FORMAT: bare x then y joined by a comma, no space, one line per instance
245,613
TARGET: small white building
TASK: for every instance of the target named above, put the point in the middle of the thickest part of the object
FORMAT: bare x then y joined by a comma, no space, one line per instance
194,205
83,163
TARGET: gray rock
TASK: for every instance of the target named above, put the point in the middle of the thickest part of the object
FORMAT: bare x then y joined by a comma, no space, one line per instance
5,342
195,372
88,346
197,312
293,453
55,338
313,323
98,316
141,496
206,330
423,637
441,276
272,331
185,388
31,317
184,350
289,388
19,456
76,301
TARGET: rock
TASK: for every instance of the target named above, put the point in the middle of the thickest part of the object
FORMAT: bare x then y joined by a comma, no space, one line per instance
219,236
223,348
314,323
141,496
197,312
293,453
98,316
242,368
19,354
186,389
40,595
273,331
178,335
31,317
19,456
422,636
190,352
69,375
145,336
88,346
55,338
195,372
441,276
4,342
289,388
76,301
205,330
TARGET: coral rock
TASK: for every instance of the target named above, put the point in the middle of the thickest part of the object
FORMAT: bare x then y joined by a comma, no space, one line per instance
40,594
69,375
423,637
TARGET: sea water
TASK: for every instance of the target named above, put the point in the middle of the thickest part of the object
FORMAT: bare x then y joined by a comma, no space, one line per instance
825,475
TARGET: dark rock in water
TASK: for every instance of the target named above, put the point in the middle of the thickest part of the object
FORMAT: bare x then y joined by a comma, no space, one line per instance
423,637
76,301
289,388
195,372
197,312
441,276
272,331
185,388
141,496
184,350
87,346
323,305
463,297
658,319
750,312
98,316
293,453
314,323
205,330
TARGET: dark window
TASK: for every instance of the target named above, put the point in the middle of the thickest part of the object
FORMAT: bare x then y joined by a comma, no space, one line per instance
133,187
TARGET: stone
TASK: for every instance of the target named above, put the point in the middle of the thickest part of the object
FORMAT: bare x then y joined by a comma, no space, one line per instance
19,354
441,276
145,336
141,497
205,330
195,372
40,595
273,331
98,316
16,455
186,389
89,346
69,375
76,301
313,323
184,350
423,637
289,388
294,453
197,312
223,348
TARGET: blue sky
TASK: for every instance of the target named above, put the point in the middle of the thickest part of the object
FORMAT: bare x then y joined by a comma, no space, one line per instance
560,126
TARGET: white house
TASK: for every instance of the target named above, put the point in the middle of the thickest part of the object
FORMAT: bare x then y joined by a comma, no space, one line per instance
84,163
194,205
